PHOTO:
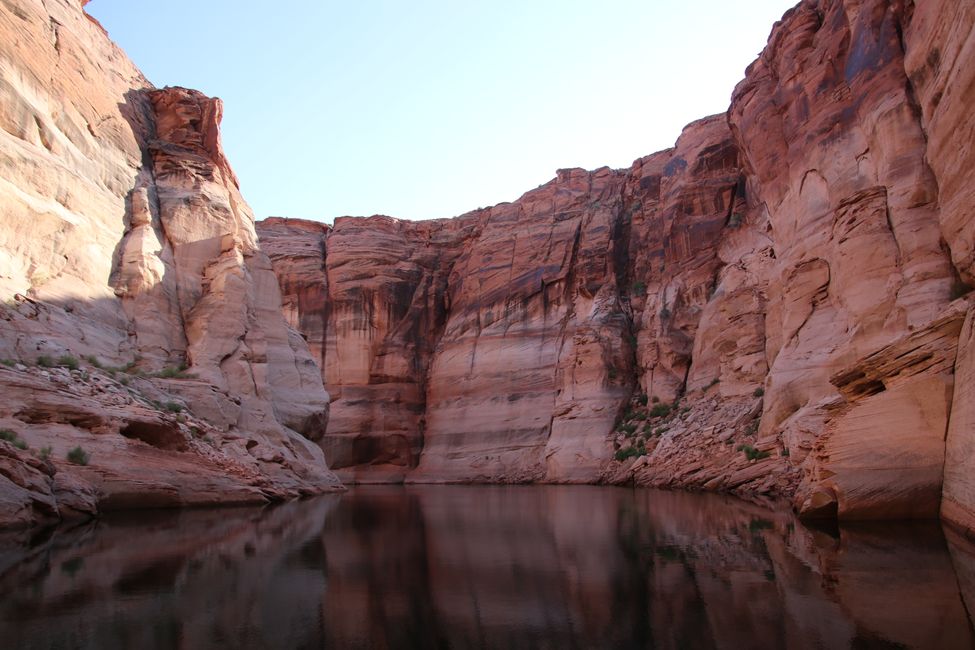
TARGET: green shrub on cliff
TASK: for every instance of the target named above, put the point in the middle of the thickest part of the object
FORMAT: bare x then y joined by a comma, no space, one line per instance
78,456
628,452
753,454
660,410
68,361
13,438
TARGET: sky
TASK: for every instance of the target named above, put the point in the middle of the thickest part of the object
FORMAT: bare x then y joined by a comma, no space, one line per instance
432,108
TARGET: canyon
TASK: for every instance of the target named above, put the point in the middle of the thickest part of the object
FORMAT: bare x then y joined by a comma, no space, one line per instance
785,288
778,306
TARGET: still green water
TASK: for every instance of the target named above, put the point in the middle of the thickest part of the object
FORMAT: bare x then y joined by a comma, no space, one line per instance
485,567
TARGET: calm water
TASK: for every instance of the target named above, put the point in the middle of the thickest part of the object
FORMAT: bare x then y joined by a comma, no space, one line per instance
485,567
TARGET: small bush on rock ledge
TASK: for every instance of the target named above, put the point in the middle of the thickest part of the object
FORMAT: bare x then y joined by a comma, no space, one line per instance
174,372
629,452
78,456
753,454
660,410
68,361
13,438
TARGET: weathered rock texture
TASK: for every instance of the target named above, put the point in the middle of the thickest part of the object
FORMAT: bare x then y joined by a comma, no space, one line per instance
371,311
940,62
125,242
773,306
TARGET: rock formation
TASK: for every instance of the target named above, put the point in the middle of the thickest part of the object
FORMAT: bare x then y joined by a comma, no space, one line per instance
141,322
371,311
774,306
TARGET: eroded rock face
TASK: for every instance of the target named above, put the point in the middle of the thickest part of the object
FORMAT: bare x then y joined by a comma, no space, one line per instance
771,307
716,309
532,359
939,64
370,297
126,244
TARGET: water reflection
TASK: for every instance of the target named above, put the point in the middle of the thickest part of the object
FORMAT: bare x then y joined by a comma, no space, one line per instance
486,567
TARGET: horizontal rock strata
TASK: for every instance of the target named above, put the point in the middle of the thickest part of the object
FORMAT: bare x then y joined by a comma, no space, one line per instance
766,308
774,306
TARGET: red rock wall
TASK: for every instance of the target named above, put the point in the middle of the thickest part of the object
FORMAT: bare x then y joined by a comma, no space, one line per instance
940,62
815,234
774,306
370,297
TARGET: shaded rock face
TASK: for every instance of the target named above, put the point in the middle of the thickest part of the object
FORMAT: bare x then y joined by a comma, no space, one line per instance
939,64
770,307
126,244
370,298
503,343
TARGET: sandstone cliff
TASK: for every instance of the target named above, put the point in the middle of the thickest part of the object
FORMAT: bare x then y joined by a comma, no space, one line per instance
141,322
777,305
773,306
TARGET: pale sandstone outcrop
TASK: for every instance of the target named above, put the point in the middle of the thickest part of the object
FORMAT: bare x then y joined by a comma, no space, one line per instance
881,454
125,240
840,265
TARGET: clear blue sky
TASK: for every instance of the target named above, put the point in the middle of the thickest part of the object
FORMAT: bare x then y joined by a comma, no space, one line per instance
430,108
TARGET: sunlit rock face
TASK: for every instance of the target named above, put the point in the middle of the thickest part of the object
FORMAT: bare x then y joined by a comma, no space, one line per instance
791,272
835,154
125,242
774,306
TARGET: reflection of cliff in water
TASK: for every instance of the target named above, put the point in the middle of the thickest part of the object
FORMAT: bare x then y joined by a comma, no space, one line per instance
193,579
553,567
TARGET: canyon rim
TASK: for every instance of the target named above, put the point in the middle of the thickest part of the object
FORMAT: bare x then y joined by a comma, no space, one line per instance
778,306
